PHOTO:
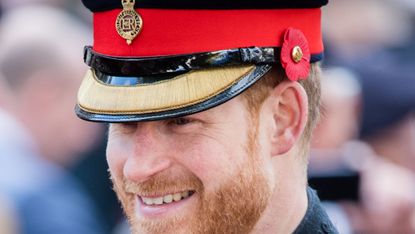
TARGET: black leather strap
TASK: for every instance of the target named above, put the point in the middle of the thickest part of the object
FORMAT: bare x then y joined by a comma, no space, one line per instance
128,66
132,80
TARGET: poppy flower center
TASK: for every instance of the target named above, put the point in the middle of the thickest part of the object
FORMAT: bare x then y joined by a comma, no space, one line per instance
297,54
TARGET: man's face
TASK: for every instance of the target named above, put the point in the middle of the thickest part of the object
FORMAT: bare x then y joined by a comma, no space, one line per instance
203,173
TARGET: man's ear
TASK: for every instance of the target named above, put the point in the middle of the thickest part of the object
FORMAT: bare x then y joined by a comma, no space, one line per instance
289,106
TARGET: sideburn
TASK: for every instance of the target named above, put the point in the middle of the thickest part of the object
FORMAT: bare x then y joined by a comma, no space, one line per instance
239,205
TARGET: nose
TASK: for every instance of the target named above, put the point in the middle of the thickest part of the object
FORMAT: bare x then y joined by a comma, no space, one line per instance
150,154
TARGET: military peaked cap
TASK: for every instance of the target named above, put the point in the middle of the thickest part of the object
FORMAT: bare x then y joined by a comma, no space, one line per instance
158,59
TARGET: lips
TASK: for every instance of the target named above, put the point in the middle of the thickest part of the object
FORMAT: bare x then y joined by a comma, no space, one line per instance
166,199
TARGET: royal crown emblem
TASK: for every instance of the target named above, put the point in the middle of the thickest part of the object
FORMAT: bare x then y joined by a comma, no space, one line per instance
129,22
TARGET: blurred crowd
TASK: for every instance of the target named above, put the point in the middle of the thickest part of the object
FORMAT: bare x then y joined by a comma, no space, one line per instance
53,173
363,153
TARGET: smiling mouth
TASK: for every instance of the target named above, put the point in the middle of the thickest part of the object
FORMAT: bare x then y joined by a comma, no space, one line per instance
167,199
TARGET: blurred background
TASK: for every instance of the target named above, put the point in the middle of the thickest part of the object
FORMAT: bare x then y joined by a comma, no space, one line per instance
53,173
362,161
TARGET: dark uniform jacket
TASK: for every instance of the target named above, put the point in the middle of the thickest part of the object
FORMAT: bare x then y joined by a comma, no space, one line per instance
315,220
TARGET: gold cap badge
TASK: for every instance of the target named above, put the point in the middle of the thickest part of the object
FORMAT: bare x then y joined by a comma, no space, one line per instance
129,22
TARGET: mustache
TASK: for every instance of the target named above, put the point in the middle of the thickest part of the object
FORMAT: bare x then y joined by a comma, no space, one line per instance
161,184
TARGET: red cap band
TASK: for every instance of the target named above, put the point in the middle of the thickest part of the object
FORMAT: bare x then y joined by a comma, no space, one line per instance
171,32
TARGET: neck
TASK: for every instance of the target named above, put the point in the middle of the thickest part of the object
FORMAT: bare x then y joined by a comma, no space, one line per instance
288,203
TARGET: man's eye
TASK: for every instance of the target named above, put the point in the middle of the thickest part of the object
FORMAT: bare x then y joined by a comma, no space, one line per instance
181,121
125,127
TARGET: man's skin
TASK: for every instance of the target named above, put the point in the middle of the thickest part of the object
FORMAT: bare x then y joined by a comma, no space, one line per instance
244,175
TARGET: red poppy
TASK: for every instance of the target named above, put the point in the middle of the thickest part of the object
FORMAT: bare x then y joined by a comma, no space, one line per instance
295,55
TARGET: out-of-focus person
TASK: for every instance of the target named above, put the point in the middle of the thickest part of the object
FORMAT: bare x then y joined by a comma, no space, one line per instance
12,4
7,217
40,137
382,103
330,171
388,126
388,121
360,35
341,110
73,7
355,29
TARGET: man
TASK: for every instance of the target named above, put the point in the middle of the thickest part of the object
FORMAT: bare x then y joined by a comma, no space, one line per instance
186,152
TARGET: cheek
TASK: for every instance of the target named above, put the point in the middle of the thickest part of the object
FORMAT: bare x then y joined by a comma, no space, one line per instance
213,161
116,156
